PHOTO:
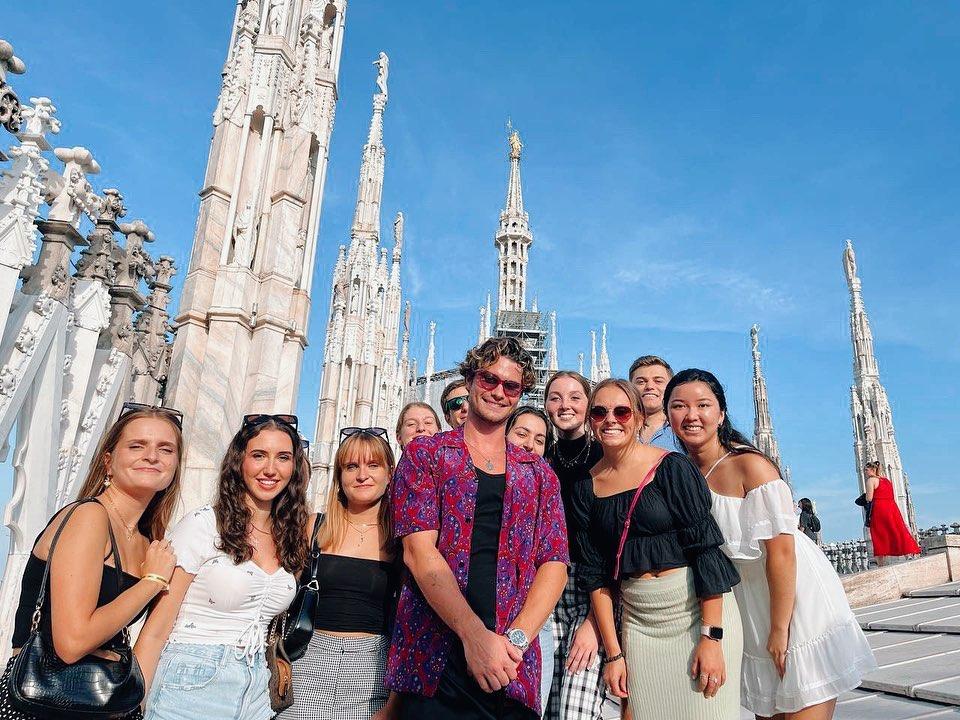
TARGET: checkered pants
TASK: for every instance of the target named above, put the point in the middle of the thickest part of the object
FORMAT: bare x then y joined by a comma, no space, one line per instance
583,696
339,679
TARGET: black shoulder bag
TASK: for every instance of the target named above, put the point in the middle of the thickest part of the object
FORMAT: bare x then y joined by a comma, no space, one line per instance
867,506
41,684
301,613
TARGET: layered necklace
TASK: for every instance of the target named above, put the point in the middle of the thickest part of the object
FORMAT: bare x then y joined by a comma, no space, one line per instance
578,459
128,529
361,528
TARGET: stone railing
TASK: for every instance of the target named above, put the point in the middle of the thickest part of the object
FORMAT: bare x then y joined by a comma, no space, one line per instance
853,556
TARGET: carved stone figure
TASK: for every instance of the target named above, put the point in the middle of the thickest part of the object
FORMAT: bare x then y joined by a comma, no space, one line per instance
276,17
70,194
9,102
326,45
383,71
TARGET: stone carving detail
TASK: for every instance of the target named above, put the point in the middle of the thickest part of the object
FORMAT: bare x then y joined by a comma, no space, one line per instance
383,71
276,17
69,194
10,110
236,72
34,327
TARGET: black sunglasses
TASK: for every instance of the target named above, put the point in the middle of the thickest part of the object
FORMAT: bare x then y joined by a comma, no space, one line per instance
261,418
175,415
455,403
374,431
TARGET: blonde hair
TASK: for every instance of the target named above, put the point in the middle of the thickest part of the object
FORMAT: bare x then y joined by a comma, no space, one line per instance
355,447
153,523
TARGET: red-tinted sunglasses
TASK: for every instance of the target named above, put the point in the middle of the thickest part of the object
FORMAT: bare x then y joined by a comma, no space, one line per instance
621,413
488,382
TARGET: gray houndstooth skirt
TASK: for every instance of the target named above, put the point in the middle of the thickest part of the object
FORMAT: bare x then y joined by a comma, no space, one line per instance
339,679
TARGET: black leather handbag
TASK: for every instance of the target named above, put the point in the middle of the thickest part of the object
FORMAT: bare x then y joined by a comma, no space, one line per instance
94,687
867,506
301,612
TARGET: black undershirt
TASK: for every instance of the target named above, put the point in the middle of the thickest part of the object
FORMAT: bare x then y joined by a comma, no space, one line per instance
571,460
481,590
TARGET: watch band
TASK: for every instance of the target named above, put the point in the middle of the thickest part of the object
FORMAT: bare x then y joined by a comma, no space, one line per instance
714,632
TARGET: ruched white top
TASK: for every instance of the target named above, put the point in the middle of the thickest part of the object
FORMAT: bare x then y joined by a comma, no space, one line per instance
226,604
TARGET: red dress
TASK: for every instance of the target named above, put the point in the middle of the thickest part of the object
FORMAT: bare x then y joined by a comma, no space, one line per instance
889,533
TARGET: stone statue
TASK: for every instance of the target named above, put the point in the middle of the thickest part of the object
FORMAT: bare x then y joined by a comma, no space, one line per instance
849,262
755,338
326,45
515,145
276,17
241,234
383,66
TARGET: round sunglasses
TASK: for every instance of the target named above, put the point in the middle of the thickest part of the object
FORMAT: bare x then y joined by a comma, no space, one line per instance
621,413
489,382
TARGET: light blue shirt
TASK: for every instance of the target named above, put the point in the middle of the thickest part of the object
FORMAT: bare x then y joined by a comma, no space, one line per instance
664,438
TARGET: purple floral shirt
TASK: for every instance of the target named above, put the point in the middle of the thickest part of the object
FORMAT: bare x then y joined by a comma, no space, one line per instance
435,488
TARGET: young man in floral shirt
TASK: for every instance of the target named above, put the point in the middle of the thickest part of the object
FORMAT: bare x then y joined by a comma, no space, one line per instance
485,541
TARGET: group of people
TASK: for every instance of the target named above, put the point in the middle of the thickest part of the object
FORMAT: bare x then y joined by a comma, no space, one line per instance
623,552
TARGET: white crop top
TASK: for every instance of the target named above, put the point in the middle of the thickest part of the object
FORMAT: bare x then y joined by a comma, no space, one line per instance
226,604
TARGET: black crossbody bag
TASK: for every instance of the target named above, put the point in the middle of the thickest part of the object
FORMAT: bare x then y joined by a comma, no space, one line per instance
94,687
302,610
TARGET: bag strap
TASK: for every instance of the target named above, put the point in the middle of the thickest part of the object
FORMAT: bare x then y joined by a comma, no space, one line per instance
633,504
312,581
45,582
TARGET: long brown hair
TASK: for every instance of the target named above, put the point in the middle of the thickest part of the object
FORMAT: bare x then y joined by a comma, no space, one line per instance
288,511
356,447
153,523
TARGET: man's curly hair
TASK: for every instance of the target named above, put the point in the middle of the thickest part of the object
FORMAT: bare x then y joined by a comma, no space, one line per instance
493,349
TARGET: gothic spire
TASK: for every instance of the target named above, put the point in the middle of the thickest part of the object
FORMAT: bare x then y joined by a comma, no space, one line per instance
873,433
594,370
603,365
513,237
553,364
366,217
428,370
763,436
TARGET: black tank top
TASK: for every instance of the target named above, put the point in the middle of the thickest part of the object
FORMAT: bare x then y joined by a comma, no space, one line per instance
30,591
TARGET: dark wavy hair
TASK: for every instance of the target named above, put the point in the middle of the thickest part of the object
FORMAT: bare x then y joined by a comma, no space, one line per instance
493,349
531,410
730,438
289,512
805,505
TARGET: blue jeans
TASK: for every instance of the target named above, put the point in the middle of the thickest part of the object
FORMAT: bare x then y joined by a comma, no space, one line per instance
546,662
210,682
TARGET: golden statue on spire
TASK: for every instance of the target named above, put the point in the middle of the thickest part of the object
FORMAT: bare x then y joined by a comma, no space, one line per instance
515,145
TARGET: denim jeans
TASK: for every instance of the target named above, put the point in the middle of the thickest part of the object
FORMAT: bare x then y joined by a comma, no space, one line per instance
546,663
213,682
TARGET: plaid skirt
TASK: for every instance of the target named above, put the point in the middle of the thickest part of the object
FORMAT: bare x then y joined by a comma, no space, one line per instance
339,679
583,696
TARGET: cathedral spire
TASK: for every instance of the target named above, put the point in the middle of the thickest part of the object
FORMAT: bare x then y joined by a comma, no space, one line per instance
428,370
763,436
603,365
873,433
366,217
513,237
553,364
580,363
594,370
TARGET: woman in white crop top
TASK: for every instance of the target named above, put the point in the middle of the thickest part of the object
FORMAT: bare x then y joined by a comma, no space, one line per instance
202,647
802,645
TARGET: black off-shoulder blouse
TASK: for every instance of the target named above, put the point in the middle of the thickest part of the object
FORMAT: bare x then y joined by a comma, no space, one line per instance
671,527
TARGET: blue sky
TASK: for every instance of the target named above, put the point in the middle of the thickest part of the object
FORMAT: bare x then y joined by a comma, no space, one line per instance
689,169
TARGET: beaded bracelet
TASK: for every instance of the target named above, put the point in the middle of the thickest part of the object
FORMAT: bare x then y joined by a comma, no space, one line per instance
158,579
614,658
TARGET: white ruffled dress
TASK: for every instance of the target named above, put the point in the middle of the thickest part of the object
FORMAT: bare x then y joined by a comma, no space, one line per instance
827,653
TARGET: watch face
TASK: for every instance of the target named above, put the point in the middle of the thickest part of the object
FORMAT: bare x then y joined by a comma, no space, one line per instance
517,637
716,633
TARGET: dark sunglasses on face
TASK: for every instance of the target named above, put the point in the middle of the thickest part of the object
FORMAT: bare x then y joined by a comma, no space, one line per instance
621,413
456,403
175,415
261,418
351,431
488,382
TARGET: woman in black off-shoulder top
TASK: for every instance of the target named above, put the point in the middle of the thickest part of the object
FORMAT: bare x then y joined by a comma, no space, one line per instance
680,645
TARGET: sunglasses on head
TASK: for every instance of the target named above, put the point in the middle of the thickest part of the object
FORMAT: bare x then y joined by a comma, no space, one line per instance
489,382
175,415
456,403
621,413
261,418
351,431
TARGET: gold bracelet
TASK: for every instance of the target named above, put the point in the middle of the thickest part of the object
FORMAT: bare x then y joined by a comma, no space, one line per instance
158,579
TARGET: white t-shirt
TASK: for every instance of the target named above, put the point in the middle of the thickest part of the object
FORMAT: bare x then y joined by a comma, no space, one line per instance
226,604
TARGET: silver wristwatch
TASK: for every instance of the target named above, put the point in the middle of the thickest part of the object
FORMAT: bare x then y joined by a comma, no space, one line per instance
518,638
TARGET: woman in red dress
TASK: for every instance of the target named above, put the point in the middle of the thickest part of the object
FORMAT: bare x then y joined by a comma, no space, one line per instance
889,533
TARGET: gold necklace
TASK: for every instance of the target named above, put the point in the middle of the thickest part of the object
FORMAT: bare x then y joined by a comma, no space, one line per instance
130,530
361,533
265,532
